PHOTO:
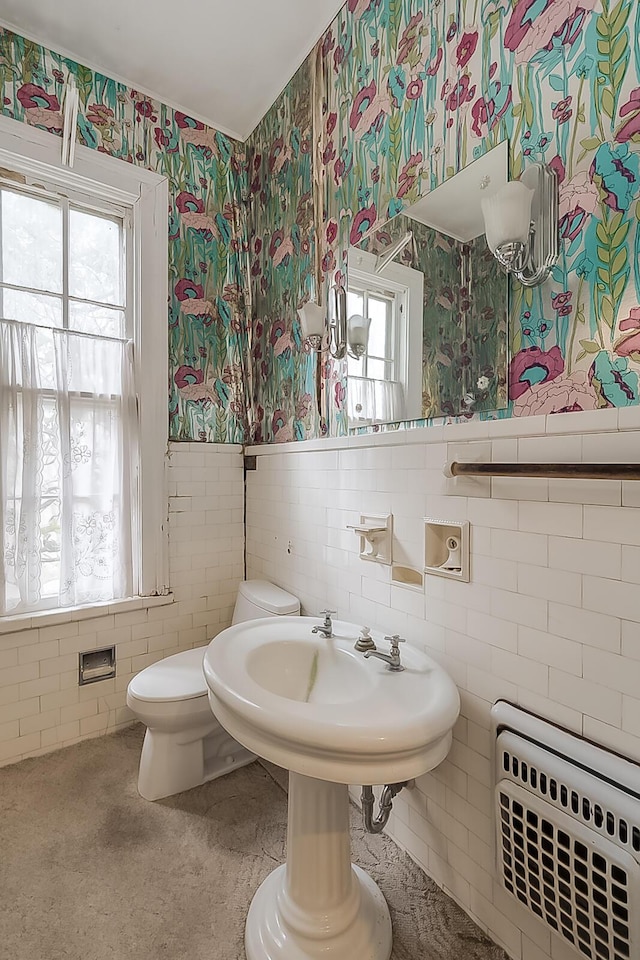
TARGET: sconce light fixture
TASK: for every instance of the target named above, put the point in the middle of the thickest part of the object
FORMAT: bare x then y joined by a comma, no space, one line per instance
521,223
311,316
358,335
392,252
351,334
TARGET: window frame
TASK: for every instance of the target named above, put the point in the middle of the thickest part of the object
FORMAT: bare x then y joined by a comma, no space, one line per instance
407,284
145,196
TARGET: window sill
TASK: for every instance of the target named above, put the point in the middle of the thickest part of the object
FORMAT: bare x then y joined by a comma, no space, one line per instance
30,621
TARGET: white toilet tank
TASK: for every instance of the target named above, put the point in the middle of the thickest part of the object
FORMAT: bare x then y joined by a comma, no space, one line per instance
259,598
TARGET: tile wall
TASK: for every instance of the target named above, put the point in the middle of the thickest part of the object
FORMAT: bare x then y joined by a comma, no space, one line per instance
41,705
550,618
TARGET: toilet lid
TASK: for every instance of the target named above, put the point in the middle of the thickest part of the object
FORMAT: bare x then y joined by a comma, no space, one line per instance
179,677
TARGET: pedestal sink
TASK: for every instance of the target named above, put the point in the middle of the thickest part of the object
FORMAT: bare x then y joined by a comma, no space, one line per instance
331,717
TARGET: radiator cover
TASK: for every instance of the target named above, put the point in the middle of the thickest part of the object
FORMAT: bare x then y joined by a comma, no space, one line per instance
568,834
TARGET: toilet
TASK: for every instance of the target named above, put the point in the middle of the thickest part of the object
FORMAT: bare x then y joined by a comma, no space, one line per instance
185,745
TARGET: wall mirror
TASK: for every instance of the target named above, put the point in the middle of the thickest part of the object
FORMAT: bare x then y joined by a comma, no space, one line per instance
434,303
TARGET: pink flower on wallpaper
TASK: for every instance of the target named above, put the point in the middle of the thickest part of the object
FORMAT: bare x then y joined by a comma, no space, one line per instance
186,202
201,223
410,38
33,97
630,129
533,366
361,223
628,345
462,93
410,174
186,289
184,376
414,89
43,117
204,140
99,114
284,249
332,231
196,308
184,121
581,192
564,395
466,48
433,67
367,107
358,7
532,25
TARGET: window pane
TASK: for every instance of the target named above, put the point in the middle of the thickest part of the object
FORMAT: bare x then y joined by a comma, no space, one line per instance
378,338
31,242
354,367
95,258
88,318
31,308
355,303
378,369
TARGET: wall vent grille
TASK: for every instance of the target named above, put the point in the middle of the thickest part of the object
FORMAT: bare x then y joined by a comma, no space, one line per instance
568,842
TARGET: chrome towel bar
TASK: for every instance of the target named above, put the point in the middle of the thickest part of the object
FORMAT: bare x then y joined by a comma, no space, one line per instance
564,471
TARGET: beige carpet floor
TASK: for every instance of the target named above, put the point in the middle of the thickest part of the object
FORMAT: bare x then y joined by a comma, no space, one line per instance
90,871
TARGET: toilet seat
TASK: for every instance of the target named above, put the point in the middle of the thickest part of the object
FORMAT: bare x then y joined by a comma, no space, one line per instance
179,677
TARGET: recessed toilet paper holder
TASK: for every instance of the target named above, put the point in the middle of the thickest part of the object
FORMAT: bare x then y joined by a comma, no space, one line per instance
446,548
376,537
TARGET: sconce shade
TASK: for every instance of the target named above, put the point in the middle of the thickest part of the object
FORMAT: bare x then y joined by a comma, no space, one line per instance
507,214
312,319
358,334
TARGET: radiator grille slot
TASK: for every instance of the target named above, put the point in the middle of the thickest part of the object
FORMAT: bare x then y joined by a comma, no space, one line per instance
568,841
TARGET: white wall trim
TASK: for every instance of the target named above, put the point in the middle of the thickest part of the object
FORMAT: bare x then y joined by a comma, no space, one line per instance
610,420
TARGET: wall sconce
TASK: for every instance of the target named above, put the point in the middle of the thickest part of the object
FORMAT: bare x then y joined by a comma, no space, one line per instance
358,335
521,223
312,317
392,252
351,334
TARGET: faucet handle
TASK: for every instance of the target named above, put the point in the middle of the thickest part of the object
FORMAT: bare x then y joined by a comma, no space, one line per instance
395,641
328,613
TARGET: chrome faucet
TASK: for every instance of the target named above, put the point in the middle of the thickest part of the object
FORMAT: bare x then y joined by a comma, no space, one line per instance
326,629
393,657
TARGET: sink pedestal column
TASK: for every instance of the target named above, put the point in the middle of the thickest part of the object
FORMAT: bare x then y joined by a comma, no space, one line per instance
318,905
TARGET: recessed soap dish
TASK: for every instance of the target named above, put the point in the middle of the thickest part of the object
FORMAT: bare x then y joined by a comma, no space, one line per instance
446,548
376,537
407,577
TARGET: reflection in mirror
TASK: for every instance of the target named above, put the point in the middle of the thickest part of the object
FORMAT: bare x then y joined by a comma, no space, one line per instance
437,302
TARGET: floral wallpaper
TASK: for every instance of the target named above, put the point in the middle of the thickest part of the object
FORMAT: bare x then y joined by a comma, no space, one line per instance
413,91
464,321
282,266
208,252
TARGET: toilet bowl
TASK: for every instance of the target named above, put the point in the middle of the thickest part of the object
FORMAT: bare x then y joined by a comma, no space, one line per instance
185,745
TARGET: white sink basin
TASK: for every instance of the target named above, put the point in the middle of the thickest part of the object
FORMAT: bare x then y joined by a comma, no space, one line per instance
332,717
318,707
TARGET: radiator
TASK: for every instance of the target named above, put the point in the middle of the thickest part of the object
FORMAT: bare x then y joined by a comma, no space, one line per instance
567,819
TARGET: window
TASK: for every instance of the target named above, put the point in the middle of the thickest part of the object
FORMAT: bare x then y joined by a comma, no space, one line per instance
75,459
384,308
385,384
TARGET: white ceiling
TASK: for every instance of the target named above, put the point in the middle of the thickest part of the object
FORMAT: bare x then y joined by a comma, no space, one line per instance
222,61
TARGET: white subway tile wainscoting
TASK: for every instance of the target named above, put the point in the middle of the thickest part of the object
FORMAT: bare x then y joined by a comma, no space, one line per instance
550,619
41,705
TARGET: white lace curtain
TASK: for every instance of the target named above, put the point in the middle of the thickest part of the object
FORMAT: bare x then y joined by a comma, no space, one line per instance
374,401
67,468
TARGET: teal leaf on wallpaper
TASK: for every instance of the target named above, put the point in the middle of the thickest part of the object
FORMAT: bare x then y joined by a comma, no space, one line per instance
556,82
87,132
